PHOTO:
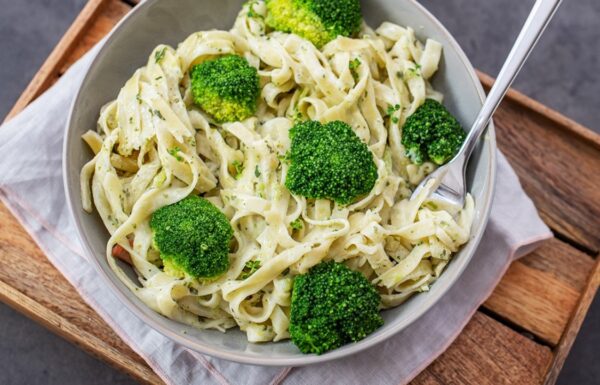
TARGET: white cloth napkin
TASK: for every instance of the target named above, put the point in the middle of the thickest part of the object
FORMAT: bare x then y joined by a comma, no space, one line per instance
31,186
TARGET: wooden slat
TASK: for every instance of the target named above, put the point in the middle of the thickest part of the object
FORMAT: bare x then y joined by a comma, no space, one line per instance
542,301
49,70
556,117
534,301
30,284
488,352
563,262
91,343
98,17
557,162
98,28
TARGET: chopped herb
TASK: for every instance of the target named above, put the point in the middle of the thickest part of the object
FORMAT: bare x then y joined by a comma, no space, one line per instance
239,168
131,119
399,74
158,78
159,55
251,12
138,97
283,157
250,268
158,114
297,224
191,141
416,71
354,64
175,153
391,110
160,179
257,172
298,117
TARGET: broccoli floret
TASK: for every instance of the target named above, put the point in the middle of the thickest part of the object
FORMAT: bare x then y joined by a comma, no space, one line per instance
227,88
319,21
329,161
332,306
192,237
432,133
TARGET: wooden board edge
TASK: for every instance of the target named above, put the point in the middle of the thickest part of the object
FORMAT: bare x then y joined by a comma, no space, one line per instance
549,113
53,63
88,342
568,338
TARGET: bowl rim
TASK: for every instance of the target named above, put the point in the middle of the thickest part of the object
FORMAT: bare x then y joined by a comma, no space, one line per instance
301,360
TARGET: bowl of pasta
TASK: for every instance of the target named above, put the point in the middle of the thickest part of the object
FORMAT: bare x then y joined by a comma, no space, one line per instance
240,173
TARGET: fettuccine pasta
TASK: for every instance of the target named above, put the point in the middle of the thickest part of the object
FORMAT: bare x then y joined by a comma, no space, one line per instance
154,147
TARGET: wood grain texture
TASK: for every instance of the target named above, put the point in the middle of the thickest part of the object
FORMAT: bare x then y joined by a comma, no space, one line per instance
30,284
487,352
49,70
550,258
98,28
557,162
93,344
541,296
535,301
556,117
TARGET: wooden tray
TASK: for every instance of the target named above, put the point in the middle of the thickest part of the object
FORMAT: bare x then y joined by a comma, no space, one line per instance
521,335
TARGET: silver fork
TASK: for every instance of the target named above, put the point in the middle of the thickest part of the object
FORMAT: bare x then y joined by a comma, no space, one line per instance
449,181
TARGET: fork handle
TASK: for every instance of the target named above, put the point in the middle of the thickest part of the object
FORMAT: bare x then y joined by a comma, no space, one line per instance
536,23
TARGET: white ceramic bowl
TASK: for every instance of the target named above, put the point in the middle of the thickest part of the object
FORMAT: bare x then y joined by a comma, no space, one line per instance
166,21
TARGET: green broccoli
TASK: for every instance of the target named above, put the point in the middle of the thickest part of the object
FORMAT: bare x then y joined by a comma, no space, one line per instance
319,21
192,237
332,306
432,133
227,88
329,161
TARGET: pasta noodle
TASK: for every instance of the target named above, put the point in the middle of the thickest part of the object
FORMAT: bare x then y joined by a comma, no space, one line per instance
401,245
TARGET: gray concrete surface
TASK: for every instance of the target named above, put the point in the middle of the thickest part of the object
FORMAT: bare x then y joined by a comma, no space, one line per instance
562,73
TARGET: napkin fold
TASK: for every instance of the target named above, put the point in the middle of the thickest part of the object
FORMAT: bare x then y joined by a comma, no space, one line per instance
31,187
